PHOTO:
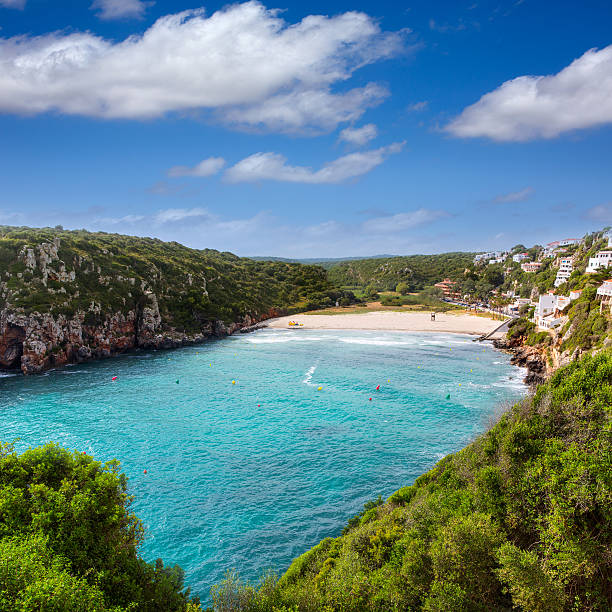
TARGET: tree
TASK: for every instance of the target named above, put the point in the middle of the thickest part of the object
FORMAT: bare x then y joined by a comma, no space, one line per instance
402,288
67,518
371,293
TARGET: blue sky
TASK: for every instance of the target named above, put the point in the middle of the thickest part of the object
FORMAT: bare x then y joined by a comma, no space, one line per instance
352,128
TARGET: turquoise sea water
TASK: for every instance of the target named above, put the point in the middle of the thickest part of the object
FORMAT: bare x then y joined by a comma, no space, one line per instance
250,475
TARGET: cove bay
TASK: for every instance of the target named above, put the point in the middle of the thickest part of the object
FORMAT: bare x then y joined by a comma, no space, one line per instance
252,474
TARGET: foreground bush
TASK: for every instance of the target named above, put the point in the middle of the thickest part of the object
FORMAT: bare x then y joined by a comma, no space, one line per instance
520,519
68,541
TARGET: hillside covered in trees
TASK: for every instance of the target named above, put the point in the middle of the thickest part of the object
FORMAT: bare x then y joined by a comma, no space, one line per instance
384,274
73,295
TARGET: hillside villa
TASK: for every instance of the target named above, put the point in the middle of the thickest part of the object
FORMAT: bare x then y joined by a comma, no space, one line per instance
605,293
520,257
603,259
566,266
548,311
553,247
531,266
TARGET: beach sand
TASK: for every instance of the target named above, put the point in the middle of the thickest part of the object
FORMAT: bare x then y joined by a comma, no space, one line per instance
393,321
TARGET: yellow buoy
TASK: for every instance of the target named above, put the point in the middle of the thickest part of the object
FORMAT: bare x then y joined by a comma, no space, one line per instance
459,384
319,388
233,382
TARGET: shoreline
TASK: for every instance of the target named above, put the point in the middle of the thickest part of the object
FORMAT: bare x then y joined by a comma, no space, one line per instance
393,321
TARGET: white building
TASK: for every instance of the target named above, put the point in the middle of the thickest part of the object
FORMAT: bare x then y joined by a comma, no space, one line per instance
520,257
491,255
566,267
603,259
574,295
531,266
604,291
547,312
552,248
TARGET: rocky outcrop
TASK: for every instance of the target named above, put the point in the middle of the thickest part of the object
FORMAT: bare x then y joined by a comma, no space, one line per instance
67,297
36,342
528,357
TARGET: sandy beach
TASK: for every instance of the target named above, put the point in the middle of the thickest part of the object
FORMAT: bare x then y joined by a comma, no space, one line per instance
393,321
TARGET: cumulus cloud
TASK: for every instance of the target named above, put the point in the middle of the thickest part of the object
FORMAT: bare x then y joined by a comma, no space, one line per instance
514,196
530,107
120,9
206,167
601,213
244,62
403,221
274,167
307,111
16,4
359,136
173,215
418,106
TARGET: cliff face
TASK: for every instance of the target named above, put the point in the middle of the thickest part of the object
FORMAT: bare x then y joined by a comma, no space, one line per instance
68,297
36,342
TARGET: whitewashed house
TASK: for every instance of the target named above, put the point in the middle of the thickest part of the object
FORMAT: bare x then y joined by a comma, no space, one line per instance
531,266
520,257
548,311
604,291
552,248
603,259
566,267
574,295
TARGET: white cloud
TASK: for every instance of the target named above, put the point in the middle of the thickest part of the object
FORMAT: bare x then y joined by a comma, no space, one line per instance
172,215
515,196
206,167
359,136
262,233
274,167
530,107
126,220
311,110
602,213
403,221
418,106
120,9
243,61
16,4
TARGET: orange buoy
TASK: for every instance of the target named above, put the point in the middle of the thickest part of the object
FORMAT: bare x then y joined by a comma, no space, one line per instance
145,471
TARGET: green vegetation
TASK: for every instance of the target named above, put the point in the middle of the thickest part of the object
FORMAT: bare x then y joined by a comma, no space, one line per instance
415,271
428,299
521,518
68,541
588,326
103,274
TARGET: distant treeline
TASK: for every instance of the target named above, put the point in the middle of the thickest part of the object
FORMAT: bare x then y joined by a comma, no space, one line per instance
384,274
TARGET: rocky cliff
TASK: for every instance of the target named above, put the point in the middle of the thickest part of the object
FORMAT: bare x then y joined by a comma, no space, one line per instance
68,297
